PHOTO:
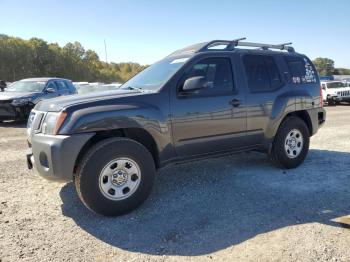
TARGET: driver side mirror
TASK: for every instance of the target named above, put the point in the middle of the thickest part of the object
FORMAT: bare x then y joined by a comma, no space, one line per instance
195,83
50,90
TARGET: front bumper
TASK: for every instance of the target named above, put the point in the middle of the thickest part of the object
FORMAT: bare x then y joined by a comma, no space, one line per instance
333,98
54,156
345,99
11,112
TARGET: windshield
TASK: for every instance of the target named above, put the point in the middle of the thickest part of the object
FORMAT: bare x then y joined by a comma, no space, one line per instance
336,85
26,86
156,75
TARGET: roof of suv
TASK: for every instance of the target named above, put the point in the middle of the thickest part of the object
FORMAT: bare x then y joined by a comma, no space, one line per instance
230,45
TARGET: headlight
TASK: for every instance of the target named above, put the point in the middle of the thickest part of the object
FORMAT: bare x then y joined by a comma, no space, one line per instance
53,122
21,101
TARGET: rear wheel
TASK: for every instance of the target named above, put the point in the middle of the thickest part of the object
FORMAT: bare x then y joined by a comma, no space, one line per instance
291,143
115,176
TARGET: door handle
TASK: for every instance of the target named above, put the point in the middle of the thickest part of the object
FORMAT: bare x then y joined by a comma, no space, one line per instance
235,102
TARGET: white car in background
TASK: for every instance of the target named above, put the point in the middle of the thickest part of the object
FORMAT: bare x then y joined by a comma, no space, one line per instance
346,81
334,92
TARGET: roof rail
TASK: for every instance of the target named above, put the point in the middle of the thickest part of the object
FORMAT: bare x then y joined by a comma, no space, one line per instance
284,46
231,44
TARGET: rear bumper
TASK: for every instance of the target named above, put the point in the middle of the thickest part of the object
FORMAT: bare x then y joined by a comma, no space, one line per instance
321,117
54,157
318,118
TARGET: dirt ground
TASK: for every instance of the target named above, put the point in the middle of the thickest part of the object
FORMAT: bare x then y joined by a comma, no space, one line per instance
237,208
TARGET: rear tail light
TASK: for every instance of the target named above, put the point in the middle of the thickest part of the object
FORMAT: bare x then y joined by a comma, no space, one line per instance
321,96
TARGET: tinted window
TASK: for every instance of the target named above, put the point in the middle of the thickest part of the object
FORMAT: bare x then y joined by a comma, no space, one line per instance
70,86
262,72
336,85
61,85
301,70
217,72
51,85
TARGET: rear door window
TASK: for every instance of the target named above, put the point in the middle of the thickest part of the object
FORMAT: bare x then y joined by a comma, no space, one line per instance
262,72
62,87
301,70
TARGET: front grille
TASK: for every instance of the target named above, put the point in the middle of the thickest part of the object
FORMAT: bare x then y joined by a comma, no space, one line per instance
5,102
343,93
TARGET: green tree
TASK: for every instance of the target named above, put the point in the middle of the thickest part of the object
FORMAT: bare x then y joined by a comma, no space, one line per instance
324,66
35,57
342,71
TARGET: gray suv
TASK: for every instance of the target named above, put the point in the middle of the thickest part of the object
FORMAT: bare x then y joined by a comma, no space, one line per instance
206,100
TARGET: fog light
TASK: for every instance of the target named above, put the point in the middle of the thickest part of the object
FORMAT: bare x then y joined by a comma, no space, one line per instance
43,159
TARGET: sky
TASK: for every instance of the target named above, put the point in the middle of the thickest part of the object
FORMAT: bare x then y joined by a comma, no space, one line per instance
146,31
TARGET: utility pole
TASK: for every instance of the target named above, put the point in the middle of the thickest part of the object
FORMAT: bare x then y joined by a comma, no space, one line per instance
105,50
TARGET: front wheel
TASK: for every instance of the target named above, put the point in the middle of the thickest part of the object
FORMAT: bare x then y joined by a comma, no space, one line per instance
291,143
331,102
115,176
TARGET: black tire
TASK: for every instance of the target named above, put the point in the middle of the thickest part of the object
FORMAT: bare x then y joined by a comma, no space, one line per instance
331,102
279,154
90,167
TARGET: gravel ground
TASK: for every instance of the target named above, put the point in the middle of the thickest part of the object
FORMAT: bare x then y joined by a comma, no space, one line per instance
237,208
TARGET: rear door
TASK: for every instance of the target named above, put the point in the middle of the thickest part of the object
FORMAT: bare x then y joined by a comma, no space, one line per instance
265,82
211,119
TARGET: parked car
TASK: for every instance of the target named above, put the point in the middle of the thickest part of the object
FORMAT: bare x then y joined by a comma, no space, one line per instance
19,98
198,102
334,92
346,82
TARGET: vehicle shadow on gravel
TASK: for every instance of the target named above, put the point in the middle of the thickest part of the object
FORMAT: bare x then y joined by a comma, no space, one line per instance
206,206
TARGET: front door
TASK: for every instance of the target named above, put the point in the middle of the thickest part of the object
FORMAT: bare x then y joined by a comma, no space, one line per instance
210,119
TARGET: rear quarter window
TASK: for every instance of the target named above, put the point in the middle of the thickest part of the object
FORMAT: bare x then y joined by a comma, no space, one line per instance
301,70
262,73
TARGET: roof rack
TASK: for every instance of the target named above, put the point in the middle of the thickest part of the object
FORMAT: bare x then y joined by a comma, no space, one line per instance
231,44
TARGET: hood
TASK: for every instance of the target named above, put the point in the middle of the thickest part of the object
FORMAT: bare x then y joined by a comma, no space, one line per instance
57,104
15,95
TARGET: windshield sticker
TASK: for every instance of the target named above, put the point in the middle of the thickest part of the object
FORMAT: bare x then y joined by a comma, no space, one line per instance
180,60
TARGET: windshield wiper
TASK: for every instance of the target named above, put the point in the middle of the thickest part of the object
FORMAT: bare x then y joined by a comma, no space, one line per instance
136,88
